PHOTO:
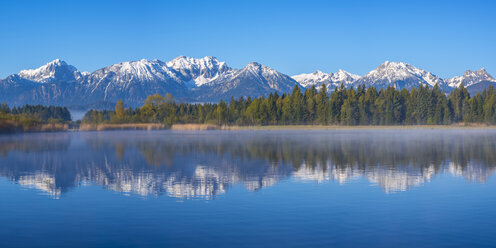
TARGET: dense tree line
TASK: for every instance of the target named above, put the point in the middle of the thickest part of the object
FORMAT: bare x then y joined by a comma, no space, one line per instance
360,106
38,112
33,118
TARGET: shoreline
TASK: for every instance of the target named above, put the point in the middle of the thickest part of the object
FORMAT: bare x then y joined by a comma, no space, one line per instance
370,127
124,126
206,127
10,127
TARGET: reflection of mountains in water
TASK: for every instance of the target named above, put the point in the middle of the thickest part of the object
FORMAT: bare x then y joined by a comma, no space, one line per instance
204,165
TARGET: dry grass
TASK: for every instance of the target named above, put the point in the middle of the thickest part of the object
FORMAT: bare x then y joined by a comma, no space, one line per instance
8,126
11,126
51,128
198,127
126,126
322,127
204,127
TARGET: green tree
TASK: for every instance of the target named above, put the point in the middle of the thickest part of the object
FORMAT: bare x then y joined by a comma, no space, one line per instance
322,106
297,105
120,112
350,113
310,105
459,99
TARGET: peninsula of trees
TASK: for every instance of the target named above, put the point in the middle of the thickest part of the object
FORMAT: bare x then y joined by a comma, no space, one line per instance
33,118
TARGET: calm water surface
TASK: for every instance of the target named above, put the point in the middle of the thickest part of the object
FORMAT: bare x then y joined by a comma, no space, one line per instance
347,188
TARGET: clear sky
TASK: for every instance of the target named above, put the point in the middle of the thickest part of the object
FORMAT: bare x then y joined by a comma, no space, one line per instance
444,37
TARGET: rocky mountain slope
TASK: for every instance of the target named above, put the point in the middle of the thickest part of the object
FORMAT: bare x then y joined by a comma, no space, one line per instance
470,78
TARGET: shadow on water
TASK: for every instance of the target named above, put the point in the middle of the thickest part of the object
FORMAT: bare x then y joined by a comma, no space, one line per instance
206,164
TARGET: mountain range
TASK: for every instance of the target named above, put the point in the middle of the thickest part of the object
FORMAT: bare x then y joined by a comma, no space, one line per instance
200,80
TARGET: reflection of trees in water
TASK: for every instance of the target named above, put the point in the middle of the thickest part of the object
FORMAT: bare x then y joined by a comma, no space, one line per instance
38,142
156,153
207,164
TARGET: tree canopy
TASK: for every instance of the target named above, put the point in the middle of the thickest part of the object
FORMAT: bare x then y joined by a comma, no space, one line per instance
360,106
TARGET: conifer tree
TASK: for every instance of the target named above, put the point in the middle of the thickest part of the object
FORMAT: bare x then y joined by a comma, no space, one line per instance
322,106
297,105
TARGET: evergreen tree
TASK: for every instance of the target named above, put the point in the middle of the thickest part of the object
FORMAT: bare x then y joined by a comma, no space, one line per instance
322,106
459,97
336,103
297,105
349,110
310,105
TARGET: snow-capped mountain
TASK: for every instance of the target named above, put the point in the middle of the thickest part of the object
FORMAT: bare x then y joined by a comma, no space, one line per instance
198,72
187,79
253,80
399,75
52,84
265,77
141,70
54,71
200,80
316,78
331,80
132,82
344,77
470,78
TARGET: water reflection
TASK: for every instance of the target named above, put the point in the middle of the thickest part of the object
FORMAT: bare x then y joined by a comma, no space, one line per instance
206,164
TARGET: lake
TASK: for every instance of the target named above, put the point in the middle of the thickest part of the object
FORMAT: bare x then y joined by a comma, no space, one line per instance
320,188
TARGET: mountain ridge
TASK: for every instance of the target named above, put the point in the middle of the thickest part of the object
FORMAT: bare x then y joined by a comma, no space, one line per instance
205,79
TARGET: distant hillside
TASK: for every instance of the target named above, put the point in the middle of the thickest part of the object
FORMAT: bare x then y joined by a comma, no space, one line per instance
479,87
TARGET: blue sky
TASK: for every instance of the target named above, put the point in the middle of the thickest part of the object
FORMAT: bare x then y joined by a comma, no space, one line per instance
445,37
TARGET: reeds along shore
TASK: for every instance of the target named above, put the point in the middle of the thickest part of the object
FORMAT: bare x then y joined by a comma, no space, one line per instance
149,126
124,126
7,126
206,127
10,127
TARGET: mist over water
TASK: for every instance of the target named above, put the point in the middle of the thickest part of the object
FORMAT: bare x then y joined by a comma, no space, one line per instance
350,173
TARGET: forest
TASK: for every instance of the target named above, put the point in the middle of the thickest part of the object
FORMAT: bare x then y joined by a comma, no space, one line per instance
33,118
360,106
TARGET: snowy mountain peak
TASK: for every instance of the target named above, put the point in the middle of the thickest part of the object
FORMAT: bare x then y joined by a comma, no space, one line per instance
54,71
57,62
388,65
143,70
316,78
197,72
188,63
344,77
482,73
256,69
319,74
260,70
139,67
253,65
470,78
331,80
399,75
